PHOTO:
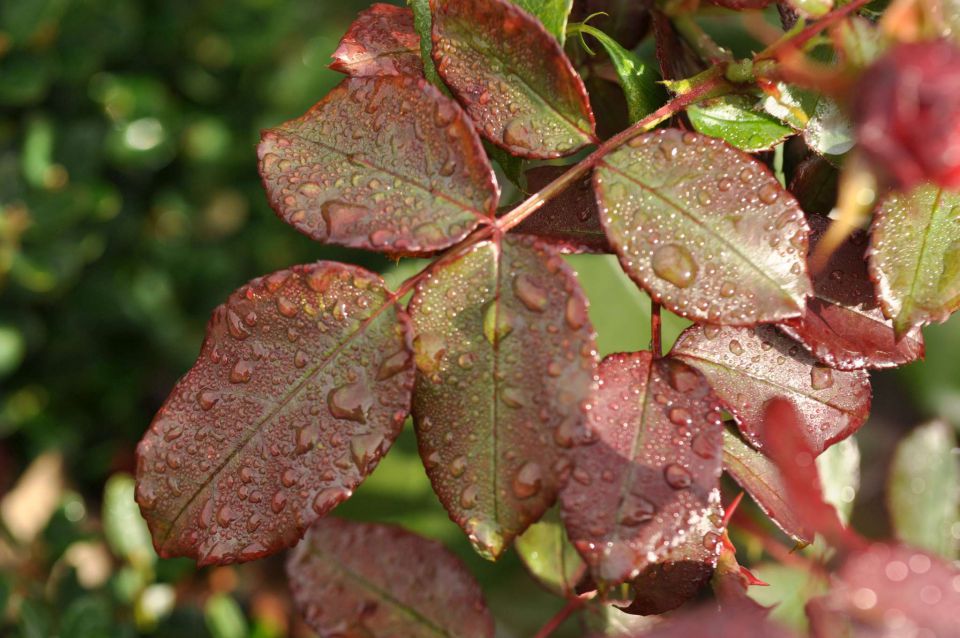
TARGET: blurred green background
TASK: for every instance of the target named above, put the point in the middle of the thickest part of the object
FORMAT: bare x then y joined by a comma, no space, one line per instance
130,207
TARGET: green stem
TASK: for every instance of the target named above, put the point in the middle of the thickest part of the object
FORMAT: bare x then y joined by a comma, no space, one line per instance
700,40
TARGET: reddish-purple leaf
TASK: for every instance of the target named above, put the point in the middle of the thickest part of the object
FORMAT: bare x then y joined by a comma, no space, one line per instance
733,622
761,478
506,369
704,228
676,58
651,480
570,221
512,77
381,41
749,366
887,591
915,256
814,184
785,436
385,163
843,326
368,580
302,384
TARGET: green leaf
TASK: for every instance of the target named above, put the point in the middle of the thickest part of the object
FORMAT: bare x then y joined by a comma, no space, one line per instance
736,120
123,525
915,256
829,131
790,589
839,468
224,617
552,14
812,8
549,557
512,77
640,81
706,229
423,23
506,360
923,490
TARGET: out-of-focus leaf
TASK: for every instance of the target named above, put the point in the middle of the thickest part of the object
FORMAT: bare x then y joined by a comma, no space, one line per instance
731,582
748,367
812,8
224,617
843,326
741,5
678,61
828,132
87,617
891,590
553,14
512,77
569,221
123,526
736,120
704,228
549,557
839,470
507,363
639,80
814,184
651,479
761,478
915,256
381,41
732,622
385,163
303,382
363,579
789,590
923,492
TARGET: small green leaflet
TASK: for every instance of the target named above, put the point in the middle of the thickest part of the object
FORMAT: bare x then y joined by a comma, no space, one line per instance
552,14
422,22
734,119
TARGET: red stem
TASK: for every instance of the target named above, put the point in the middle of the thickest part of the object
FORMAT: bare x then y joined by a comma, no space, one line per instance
655,343
805,34
573,604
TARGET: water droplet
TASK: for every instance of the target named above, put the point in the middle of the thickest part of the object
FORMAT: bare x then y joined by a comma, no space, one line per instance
207,399
769,193
528,480
681,377
235,326
300,359
428,351
642,511
531,294
736,347
225,516
724,184
365,447
512,397
821,377
706,444
286,307
241,372
393,365
468,497
576,313
675,264
278,502
677,476
466,360
458,466
349,402
340,217
516,133
679,416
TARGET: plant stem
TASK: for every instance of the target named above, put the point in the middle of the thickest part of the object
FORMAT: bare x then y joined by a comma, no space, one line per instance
561,616
655,346
499,226
795,40
700,40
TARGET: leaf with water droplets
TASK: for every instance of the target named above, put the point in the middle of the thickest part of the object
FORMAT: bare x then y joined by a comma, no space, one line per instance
737,120
383,163
704,228
381,41
749,366
761,478
302,384
650,482
506,363
512,77
570,221
843,325
547,554
915,256
923,489
890,590
367,579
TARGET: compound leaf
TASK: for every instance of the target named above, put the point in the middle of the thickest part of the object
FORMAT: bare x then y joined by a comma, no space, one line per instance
843,325
748,367
367,579
302,384
512,77
915,256
704,228
507,365
381,41
384,163
651,479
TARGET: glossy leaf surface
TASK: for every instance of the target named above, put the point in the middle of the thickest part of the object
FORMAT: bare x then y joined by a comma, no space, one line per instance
507,363
552,14
736,120
761,478
512,77
704,228
381,41
843,325
372,580
923,492
302,383
893,590
915,256
569,221
547,554
651,479
749,366
384,163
